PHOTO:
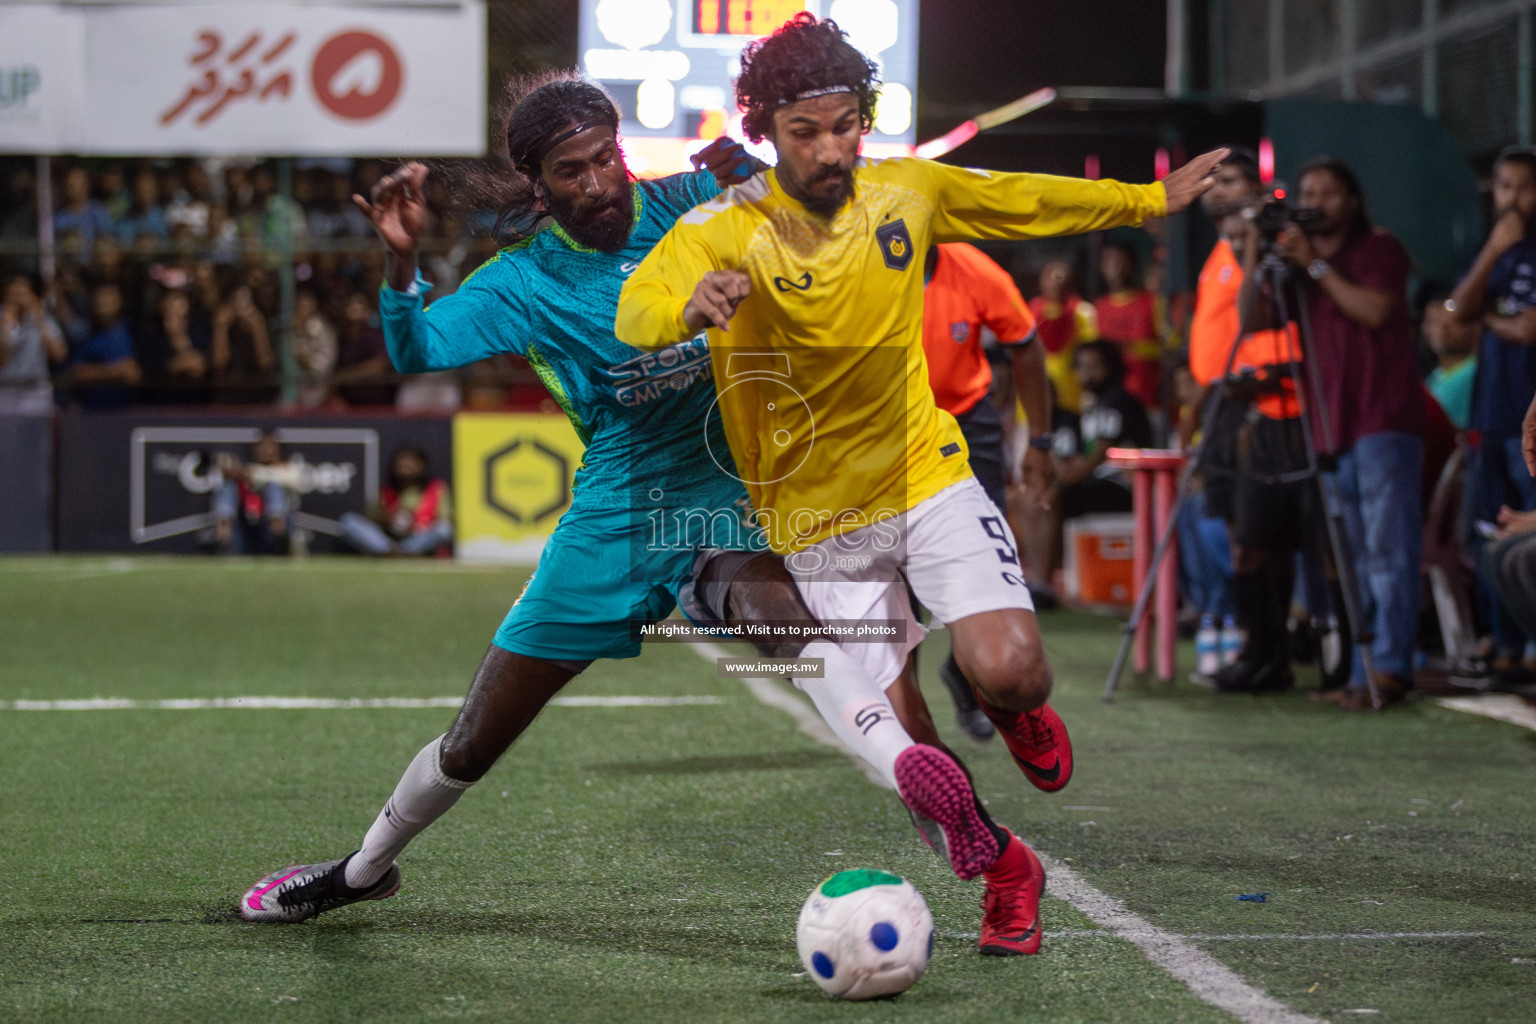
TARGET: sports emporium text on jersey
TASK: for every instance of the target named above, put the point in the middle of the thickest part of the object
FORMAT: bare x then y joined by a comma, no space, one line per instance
653,374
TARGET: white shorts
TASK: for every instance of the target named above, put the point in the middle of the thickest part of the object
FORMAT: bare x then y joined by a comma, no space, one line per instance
954,550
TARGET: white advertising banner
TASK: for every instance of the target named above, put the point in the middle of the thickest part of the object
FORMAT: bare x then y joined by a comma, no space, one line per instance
40,77
247,79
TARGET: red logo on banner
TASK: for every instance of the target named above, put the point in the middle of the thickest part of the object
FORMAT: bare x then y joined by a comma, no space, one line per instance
356,75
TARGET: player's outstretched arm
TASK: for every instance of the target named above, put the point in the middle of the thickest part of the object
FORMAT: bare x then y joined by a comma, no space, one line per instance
1193,180
397,210
467,326
683,286
974,204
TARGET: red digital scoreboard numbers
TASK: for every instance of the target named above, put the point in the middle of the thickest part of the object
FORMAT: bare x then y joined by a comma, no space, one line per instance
742,17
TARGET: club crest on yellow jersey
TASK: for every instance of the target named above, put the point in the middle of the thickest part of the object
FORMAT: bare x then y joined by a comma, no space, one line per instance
895,244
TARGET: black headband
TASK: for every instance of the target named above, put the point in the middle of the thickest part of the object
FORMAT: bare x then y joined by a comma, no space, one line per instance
536,158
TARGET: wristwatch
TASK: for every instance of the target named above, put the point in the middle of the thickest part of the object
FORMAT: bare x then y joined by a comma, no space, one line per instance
1318,269
1043,443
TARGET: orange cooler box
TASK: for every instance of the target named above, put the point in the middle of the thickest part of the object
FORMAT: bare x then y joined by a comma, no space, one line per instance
1097,556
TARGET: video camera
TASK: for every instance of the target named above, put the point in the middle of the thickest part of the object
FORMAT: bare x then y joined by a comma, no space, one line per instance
1276,214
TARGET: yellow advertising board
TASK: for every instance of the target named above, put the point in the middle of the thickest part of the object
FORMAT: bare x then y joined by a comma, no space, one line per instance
512,477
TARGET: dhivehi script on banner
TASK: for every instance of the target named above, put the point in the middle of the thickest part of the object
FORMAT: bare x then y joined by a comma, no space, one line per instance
243,79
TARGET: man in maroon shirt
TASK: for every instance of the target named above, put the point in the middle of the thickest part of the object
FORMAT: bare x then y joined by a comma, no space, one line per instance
1355,279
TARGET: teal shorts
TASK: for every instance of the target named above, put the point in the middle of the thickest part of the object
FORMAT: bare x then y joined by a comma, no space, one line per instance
599,579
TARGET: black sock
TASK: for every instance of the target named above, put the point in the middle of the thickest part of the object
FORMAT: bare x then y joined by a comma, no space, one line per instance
1251,592
998,832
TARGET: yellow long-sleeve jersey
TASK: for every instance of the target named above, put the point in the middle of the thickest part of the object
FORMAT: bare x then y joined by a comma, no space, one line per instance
821,379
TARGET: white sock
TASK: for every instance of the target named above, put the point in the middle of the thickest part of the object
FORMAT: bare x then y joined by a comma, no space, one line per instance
856,708
423,795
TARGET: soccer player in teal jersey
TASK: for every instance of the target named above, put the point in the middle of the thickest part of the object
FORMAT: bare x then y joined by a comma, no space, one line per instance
653,455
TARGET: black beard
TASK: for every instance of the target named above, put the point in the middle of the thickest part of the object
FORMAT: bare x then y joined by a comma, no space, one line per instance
606,235
827,206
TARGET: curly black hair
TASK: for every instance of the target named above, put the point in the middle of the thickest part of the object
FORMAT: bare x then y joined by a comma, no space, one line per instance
1110,356
802,56
535,110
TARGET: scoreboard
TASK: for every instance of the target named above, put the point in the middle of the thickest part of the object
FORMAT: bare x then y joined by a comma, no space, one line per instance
672,65
748,18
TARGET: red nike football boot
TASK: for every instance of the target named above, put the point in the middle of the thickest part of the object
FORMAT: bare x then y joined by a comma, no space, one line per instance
1039,744
1010,920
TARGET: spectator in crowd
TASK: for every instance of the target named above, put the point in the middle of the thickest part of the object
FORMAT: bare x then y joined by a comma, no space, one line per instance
1112,417
175,350
1131,316
79,219
364,375
1085,482
1355,278
1267,519
1509,565
253,504
191,200
1062,322
1205,547
413,515
111,192
271,214
19,221
143,216
1499,295
1454,344
314,349
30,342
242,362
330,212
966,294
104,370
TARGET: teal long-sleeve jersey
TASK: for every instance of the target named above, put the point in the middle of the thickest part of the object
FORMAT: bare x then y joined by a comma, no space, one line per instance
652,437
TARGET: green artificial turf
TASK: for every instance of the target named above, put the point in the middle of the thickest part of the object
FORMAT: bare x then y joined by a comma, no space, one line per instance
647,863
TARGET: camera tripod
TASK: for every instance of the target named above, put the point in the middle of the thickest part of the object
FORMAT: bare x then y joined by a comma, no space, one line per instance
1307,381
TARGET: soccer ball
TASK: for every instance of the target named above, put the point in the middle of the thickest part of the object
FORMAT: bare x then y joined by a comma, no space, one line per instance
864,934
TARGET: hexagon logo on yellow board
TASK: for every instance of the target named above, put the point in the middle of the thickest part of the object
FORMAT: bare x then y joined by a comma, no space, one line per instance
512,473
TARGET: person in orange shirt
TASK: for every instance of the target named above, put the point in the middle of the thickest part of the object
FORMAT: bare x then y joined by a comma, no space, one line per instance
1131,316
1270,519
965,295
1062,322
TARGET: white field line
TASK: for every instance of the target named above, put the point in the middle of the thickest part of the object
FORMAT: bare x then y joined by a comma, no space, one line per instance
1503,706
324,703
1097,933
1205,976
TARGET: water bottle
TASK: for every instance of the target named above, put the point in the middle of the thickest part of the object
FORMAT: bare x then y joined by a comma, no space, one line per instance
1231,641
1207,646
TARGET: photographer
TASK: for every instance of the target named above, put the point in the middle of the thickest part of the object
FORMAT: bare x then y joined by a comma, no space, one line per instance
1498,295
1354,278
1268,517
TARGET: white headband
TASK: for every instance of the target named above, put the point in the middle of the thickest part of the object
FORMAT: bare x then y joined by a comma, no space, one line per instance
811,94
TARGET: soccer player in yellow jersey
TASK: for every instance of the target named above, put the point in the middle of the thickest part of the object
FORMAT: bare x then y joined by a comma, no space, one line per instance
809,277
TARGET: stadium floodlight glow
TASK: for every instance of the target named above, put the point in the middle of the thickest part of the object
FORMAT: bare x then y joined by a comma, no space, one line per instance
636,65
893,114
967,130
655,103
633,24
